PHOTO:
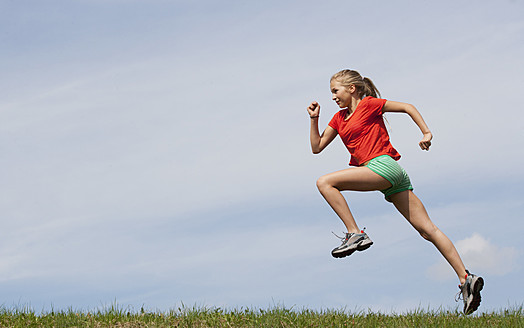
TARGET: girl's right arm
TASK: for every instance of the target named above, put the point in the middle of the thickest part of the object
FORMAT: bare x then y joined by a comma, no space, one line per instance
319,142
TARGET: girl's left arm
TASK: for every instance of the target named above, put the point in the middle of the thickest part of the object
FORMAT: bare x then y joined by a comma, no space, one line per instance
400,107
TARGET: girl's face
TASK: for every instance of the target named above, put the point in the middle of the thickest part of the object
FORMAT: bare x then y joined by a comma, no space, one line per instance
341,94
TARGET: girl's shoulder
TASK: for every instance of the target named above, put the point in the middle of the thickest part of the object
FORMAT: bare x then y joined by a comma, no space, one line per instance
338,119
372,101
341,114
372,104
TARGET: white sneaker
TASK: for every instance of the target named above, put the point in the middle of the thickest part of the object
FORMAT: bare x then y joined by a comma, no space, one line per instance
470,292
350,243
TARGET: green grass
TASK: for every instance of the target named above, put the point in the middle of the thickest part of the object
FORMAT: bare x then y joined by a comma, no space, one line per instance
273,317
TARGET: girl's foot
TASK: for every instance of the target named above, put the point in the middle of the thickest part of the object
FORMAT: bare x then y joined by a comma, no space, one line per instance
470,292
350,243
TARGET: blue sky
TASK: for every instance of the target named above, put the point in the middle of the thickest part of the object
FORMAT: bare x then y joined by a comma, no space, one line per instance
157,152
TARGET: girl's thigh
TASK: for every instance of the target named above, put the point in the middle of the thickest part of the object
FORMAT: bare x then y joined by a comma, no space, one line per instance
356,178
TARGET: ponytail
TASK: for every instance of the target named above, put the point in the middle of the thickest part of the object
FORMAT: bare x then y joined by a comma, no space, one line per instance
370,89
365,87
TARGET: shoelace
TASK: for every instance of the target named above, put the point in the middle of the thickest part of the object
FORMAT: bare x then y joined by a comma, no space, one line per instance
459,296
347,235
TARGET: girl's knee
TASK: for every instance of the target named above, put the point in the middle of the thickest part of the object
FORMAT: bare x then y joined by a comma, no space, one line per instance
425,235
429,233
322,183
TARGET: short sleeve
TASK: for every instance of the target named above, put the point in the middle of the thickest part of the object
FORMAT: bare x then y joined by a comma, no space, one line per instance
335,121
375,105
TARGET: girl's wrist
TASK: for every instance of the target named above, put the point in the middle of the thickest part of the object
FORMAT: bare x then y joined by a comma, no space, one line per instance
314,116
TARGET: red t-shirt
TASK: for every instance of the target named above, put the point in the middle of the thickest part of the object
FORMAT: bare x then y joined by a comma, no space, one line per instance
364,134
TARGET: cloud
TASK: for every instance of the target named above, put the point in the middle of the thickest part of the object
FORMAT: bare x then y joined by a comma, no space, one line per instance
481,256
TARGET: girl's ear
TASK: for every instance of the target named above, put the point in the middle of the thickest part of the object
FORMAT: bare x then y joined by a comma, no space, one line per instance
352,88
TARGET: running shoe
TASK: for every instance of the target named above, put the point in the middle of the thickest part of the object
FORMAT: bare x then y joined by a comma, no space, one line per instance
470,292
350,243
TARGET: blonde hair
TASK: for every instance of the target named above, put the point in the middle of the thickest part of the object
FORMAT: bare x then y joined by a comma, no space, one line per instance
365,87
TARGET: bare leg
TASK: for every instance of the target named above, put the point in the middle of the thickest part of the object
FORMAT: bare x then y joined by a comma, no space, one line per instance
357,179
408,204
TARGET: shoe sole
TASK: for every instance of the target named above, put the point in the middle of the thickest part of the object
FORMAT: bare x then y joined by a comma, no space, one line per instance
348,252
475,302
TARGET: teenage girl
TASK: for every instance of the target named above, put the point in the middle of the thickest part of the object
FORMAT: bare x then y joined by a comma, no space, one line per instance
361,128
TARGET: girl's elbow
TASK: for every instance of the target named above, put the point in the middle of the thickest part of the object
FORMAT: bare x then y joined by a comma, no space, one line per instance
409,108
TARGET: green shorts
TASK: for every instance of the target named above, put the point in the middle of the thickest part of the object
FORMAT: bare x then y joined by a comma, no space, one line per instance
389,169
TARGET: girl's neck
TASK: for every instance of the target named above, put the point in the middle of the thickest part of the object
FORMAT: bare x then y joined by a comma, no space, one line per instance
354,103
